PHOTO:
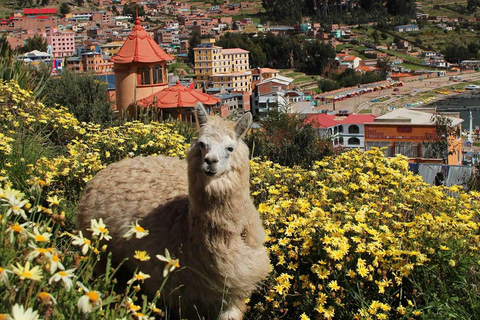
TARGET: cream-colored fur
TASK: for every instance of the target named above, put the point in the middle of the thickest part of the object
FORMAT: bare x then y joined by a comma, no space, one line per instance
200,209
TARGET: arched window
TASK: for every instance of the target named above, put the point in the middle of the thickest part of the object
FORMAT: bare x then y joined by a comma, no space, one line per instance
353,129
143,73
340,140
354,141
340,128
157,73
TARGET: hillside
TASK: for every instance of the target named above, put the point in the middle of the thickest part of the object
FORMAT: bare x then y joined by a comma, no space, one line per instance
356,236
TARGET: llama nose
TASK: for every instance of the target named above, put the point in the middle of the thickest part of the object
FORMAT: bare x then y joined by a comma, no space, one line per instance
211,159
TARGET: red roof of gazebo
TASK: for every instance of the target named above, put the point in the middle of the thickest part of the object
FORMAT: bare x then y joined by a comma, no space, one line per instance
140,47
177,96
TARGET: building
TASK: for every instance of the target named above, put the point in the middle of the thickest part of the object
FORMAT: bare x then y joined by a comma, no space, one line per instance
270,93
406,28
470,63
414,134
62,42
233,103
225,69
95,62
346,130
140,68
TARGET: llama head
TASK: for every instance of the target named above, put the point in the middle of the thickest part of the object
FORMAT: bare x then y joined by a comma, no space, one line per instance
219,148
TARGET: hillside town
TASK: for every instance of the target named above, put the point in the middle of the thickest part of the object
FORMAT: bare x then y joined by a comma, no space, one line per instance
239,160
133,53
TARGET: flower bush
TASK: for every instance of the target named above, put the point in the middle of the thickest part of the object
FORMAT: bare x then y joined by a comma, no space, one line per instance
356,237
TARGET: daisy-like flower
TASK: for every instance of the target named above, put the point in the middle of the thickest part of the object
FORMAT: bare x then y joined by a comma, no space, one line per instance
135,230
17,228
140,316
89,300
82,242
54,201
46,298
141,255
40,237
65,276
24,272
20,313
139,277
4,276
37,252
154,308
55,263
132,307
171,263
15,206
99,229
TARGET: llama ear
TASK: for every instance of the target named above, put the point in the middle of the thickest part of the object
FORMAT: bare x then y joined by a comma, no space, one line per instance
242,125
201,114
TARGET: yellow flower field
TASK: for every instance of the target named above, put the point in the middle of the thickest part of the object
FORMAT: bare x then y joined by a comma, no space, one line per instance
356,237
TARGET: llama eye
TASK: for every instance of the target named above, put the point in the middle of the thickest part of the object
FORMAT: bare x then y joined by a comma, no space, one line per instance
230,149
201,144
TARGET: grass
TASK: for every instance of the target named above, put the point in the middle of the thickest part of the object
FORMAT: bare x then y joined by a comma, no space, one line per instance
365,111
415,67
303,78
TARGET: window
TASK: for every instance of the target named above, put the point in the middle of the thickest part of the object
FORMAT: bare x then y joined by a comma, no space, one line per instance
340,128
353,129
354,141
157,73
143,74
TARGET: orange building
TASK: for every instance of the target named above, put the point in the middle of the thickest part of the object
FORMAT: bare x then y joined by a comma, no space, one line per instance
140,68
413,133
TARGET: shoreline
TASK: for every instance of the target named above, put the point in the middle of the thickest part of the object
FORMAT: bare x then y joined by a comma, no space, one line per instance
412,92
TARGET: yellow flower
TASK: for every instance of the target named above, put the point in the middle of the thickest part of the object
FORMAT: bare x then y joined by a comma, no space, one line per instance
4,276
46,298
81,241
17,228
40,237
329,313
65,276
99,229
304,317
172,264
334,285
20,313
89,300
141,255
24,272
137,230
54,201
140,276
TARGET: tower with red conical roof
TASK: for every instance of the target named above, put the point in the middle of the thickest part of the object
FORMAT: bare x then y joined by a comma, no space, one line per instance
140,68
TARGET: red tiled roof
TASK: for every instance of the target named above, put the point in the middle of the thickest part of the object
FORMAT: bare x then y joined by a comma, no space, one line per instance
350,58
177,96
322,120
140,47
357,119
40,11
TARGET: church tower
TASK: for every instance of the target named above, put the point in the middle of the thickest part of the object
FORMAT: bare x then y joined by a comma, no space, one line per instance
140,68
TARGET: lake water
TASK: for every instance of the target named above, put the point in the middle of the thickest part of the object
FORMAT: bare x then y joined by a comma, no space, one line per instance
460,102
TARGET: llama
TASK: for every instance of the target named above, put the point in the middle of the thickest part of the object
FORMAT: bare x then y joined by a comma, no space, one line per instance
199,209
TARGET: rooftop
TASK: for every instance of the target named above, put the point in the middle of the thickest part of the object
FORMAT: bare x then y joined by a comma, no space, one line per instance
408,116
140,47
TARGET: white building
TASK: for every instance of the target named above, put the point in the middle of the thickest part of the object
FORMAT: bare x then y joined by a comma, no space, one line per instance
346,130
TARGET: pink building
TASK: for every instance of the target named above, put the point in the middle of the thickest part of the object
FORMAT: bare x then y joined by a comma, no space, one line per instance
62,42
